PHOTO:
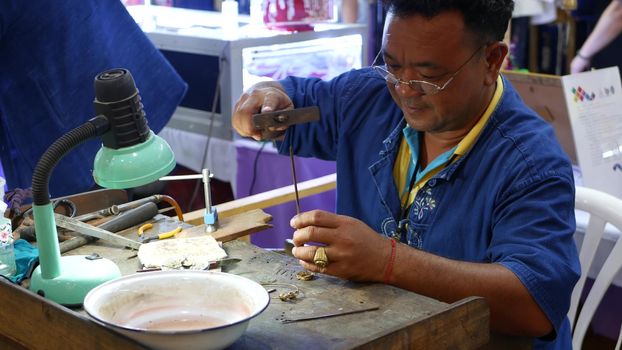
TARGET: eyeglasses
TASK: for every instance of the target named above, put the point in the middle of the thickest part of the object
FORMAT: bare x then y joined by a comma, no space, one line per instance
420,86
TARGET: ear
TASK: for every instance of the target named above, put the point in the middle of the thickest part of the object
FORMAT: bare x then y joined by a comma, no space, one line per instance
495,54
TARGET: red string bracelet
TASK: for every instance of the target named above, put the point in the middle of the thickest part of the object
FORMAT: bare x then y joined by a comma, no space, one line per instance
389,268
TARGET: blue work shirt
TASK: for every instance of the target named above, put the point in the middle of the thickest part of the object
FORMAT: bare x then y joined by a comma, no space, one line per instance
508,200
50,53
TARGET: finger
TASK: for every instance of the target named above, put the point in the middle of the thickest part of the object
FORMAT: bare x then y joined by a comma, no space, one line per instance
305,253
306,256
316,218
276,100
312,267
242,117
315,234
277,128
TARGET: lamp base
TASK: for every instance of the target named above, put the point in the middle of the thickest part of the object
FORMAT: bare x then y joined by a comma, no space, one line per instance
78,276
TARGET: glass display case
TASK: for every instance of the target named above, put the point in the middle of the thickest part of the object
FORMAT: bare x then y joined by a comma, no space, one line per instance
219,58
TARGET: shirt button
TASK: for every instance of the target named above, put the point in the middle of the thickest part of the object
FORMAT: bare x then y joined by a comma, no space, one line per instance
432,182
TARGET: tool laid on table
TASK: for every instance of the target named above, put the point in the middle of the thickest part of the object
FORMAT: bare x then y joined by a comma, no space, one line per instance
270,123
163,235
127,219
114,218
221,263
339,312
120,208
86,229
210,218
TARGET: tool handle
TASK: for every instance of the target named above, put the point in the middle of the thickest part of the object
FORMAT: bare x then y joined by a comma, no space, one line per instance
131,217
283,119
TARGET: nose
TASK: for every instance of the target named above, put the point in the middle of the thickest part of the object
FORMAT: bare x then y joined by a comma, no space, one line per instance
404,90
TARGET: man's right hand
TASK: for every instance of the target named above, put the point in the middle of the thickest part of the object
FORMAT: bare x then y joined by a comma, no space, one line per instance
262,97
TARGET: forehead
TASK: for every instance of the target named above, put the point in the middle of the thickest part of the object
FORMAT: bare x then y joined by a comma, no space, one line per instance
427,37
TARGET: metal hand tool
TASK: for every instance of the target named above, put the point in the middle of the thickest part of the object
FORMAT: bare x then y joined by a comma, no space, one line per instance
269,121
291,159
120,222
154,237
89,230
221,263
327,315
210,218
123,207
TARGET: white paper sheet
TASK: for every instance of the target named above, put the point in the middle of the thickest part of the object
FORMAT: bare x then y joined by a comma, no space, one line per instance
594,102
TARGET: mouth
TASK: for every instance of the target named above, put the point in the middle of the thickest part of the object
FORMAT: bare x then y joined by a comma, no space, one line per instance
413,108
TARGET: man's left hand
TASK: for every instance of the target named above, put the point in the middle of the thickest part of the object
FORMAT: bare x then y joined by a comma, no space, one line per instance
354,250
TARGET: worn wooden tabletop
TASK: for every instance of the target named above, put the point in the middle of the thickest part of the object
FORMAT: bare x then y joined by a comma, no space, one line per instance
402,320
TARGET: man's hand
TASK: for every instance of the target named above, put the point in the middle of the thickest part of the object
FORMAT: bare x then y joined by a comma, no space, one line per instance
260,98
354,250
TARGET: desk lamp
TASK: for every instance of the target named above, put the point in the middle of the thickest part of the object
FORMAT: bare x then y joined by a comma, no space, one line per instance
131,155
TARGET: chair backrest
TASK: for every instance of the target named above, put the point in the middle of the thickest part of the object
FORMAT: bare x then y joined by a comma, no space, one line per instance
603,208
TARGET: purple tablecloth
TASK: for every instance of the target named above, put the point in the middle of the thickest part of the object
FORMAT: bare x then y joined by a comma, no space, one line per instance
273,171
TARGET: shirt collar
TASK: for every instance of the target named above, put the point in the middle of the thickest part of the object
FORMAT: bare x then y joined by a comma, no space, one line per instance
469,140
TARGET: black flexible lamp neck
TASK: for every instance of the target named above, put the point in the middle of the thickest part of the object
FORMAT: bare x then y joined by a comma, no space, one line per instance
41,176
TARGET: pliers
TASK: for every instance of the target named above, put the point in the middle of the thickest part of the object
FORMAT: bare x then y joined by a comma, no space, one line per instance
164,235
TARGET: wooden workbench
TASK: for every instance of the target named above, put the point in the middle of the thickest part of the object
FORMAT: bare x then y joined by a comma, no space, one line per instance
404,319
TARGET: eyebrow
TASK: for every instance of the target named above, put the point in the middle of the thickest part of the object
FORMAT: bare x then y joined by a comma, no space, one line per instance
418,64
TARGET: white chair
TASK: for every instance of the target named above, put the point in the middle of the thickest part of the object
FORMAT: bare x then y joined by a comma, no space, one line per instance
603,208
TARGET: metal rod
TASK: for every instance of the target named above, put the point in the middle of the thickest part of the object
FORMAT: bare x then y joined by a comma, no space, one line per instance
333,314
291,158
206,188
182,177
211,217
119,208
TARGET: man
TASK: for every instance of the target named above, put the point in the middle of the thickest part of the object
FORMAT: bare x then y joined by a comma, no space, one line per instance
490,209
50,53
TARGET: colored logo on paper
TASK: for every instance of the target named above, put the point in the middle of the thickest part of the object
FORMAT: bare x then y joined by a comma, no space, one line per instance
581,95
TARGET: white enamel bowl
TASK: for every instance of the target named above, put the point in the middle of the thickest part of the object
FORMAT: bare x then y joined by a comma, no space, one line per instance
178,309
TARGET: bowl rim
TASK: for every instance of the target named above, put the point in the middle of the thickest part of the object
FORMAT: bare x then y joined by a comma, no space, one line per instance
176,332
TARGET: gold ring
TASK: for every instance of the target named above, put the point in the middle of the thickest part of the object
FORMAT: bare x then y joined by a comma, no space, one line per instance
320,258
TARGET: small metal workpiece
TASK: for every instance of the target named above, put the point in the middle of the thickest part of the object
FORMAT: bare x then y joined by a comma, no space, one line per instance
305,275
290,295
210,218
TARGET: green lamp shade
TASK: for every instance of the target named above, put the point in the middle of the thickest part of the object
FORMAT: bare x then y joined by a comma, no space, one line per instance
133,166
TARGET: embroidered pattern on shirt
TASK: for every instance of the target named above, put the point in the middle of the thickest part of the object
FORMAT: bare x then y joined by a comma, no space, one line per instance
423,204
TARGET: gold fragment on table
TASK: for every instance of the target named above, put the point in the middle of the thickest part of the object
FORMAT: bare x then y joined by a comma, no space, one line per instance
305,275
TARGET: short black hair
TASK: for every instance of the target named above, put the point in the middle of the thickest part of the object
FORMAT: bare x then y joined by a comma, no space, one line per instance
486,18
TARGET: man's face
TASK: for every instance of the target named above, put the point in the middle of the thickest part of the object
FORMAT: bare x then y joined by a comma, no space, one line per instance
416,48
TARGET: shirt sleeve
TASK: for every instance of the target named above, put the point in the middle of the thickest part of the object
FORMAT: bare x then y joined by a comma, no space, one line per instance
533,237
